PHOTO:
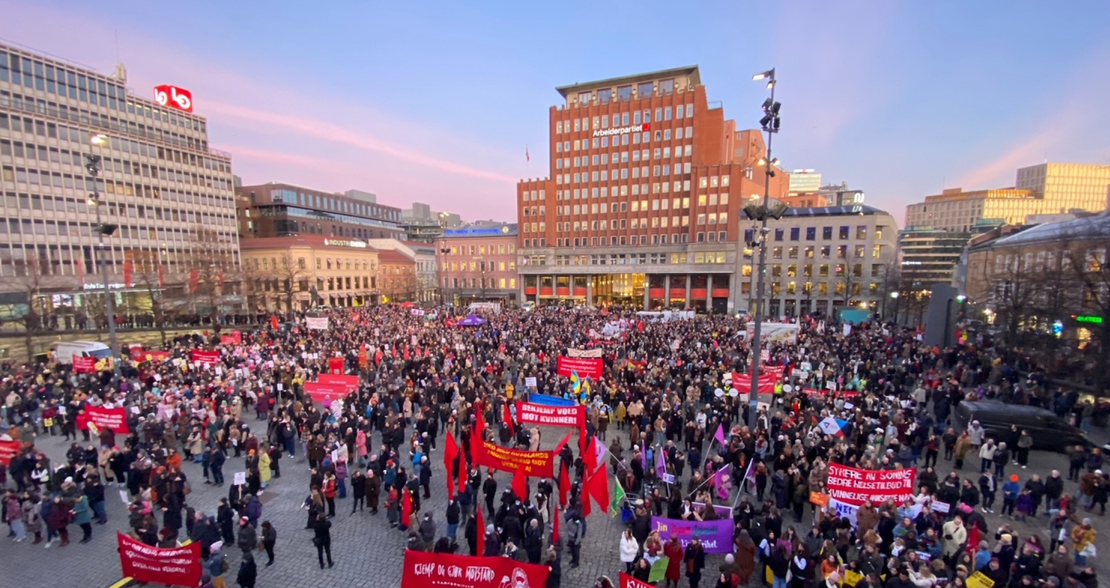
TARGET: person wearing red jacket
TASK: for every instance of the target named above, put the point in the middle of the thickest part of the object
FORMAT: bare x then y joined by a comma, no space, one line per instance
329,494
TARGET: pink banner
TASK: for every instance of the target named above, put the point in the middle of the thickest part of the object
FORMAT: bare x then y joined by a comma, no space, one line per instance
542,414
855,486
104,418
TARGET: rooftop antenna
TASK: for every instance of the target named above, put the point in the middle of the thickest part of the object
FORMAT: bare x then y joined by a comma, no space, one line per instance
121,70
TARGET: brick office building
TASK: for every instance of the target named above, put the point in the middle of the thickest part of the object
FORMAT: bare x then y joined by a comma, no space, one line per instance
643,202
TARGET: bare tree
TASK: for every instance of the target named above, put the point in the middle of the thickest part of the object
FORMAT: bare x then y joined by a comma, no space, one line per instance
212,273
1014,286
28,282
1088,261
149,275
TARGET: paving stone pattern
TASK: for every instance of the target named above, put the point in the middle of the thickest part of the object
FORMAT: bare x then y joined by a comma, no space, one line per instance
366,550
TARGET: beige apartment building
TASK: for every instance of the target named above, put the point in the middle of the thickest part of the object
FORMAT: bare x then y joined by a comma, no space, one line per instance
1048,188
821,259
298,273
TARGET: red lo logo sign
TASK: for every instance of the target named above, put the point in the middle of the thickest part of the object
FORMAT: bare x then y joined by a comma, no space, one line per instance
174,97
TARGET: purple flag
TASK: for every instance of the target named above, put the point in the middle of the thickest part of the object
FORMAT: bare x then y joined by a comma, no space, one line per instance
723,482
660,465
720,435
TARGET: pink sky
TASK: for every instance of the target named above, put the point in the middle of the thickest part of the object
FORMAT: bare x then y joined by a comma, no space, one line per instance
279,131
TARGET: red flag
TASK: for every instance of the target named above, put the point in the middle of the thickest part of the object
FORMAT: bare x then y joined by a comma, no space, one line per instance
449,456
274,322
479,424
564,486
406,508
586,509
589,456
520,485
462,472
194,279
598,488
509,419
481,532
162,277
555,527
128,267
582,439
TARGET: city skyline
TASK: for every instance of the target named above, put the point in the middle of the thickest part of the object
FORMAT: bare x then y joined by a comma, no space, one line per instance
900,101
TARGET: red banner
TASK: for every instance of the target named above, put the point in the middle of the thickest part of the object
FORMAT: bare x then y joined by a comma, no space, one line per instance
542,414
444,570
111,418
335,366
630,582
227,340
175,566
136,352
206,357
128,269
587,367
8,450
325,392
84,365
854,486
151,355
743,383
539,464
350,383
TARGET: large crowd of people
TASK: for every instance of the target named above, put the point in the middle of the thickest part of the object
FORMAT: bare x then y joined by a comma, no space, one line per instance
664,392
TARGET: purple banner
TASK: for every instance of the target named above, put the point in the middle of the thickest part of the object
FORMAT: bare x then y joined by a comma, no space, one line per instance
716,536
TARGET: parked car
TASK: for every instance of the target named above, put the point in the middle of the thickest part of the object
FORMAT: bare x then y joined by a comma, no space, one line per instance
1048,430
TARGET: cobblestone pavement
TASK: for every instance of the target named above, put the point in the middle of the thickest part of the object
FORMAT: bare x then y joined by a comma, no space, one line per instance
366,551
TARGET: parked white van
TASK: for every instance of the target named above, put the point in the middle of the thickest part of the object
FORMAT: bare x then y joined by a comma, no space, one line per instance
65,350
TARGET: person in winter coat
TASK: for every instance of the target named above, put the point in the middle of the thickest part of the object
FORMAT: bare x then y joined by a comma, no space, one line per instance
554,565
225,518
269,539
248,572
32,517
953,535
215,565
1010,491
373,490
574,535
629,548
986,455
247,539
744,560
694,560
322,539
1053,490
672,549
533,540
867,517
358,491
82,516
58,520
427,531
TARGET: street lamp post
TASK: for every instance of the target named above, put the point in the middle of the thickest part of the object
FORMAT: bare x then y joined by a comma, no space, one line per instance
770,123
92,166
445,250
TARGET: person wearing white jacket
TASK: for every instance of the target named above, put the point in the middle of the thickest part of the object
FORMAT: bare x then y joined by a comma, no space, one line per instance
629,549
986,453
